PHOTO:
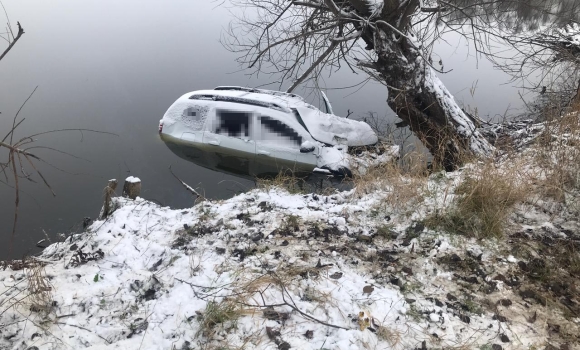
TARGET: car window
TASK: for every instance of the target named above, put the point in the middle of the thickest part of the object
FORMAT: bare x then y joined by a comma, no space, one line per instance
273,131
194,117
232,123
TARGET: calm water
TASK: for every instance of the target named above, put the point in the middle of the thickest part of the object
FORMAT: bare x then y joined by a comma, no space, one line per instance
116,66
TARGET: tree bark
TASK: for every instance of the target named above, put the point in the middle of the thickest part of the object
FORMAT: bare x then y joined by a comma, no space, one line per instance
420,99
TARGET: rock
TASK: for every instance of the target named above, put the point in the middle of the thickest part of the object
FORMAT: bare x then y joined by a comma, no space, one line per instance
336,275
471,279
475,253
500,318
418,227
257,236
464,318
274,315
364,238
220,251
500,277
450,297
309,334
455,258
272,333
490,288
496,347
504,338
368,289
505,302
264,206
284,346
149,294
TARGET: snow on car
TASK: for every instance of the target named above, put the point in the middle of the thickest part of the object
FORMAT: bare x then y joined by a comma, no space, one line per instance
255,131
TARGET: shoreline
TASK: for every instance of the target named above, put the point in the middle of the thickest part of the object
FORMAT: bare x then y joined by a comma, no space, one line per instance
148,276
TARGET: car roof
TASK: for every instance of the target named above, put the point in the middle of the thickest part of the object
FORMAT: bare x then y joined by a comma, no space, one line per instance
282,100
323,127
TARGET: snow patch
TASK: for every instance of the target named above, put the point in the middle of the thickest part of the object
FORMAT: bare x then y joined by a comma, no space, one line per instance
132,179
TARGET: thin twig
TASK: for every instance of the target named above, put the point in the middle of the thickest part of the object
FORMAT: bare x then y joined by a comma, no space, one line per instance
187,187
86,329
20,32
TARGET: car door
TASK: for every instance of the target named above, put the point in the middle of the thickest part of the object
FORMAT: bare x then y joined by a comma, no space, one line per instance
278,147
228,139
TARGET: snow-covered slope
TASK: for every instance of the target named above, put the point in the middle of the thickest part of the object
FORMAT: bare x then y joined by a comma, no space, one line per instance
268,270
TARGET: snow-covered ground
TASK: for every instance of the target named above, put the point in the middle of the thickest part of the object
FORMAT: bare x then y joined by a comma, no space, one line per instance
269,269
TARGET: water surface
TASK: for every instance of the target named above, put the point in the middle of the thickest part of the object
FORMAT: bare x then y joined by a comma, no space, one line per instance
116,66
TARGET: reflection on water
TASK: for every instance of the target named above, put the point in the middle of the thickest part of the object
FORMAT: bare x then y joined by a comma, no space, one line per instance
245,167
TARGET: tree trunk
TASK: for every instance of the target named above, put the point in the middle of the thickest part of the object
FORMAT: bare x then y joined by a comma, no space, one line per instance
421,100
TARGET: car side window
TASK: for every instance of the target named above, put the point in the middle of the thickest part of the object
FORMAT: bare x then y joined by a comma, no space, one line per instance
275,132
232,123
194,117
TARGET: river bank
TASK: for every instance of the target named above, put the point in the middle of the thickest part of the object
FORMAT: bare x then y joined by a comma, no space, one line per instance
375,267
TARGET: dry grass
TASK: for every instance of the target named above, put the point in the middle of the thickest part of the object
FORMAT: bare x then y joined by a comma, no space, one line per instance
218,316
39,289
558,155
391,336
287,180
484,200
403,181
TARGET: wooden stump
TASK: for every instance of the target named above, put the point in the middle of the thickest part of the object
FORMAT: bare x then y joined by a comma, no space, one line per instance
109,193
132,187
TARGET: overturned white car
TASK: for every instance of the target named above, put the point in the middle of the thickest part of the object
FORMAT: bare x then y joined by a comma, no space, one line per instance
256,132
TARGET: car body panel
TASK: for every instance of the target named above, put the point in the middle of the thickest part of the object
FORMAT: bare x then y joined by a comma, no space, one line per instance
256,132
278,145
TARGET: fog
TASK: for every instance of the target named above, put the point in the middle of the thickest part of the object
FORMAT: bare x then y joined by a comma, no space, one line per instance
116,66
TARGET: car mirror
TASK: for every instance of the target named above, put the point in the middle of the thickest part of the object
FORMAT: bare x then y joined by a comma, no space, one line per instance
307,147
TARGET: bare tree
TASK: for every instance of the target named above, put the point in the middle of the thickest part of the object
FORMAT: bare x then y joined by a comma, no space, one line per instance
297,40
551,57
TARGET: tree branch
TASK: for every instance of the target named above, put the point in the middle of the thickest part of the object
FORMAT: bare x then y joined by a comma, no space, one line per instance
322,57
20,32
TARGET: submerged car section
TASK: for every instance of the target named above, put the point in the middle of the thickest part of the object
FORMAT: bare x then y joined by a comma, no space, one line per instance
237,136
259,132
228,136
278,146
